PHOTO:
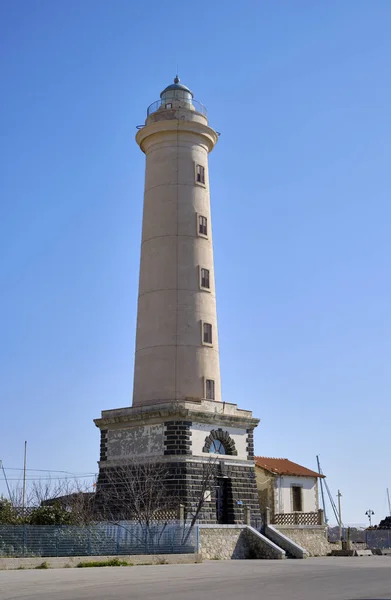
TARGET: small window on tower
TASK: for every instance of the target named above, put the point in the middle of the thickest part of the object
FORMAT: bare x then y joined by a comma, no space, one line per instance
202,226
209,389
207,334
169,105
204,279
200,174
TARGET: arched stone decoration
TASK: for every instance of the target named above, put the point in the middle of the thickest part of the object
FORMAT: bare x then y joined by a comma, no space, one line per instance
224,438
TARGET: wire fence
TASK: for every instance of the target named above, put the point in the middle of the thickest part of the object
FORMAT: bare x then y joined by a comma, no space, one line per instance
377,538
372,538
97,540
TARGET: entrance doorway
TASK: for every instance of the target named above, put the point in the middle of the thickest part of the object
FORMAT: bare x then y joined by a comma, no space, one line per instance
222,490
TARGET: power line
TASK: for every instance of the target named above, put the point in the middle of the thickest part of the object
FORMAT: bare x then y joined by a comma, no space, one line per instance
46,471
53,478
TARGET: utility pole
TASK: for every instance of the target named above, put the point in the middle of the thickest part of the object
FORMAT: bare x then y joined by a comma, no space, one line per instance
339,514
389,503
369,514
24,479
6,480
321,489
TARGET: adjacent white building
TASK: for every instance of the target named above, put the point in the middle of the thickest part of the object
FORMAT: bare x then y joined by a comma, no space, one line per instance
289,490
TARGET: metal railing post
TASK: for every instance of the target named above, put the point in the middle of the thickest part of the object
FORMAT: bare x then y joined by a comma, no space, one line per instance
118,538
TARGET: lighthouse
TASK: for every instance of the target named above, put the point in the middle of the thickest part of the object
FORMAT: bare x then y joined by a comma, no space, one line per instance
177,355
178,417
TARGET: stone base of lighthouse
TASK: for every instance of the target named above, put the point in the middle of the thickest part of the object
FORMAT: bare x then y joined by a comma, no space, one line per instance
181,439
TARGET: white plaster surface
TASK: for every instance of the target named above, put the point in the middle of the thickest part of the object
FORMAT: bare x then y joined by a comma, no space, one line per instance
146,440
283,497
200,431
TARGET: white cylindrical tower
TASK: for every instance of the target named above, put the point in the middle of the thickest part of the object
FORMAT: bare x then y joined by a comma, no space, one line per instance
177,354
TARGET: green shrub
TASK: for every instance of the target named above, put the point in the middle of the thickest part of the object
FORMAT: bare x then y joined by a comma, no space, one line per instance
8,514
43,565
114,562
50,515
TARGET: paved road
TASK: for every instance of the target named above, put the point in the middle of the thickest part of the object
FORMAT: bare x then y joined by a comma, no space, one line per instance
366,578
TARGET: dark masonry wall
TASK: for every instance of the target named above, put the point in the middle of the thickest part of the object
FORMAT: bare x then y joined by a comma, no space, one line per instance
230,488
250,444
177,439
237,485
103,444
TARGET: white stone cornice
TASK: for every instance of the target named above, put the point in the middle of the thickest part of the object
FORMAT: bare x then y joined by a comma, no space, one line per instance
149,133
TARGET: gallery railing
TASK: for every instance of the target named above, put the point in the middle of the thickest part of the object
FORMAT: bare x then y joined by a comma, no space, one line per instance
297,518
198,107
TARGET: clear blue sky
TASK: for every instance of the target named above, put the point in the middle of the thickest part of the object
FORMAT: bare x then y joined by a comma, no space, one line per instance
301,93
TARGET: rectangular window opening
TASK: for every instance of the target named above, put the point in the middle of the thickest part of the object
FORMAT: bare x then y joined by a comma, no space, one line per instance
209,389
207,334
200,174
204,278
202,225
169,105
297,503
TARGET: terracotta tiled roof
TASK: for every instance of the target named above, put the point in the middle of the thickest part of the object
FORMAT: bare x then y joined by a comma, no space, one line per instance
283,466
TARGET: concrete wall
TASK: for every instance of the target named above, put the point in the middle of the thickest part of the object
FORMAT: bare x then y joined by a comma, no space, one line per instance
199,431
313,539
238,542
72,561
222,543
171,361
265,486
149,441
283,541
144,440
283,493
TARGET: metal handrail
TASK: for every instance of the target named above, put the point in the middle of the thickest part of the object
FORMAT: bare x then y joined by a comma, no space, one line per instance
200,108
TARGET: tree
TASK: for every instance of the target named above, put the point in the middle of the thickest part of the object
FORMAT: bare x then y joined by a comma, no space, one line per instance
138,492
69,500
54,514
199,496
8,514
49,502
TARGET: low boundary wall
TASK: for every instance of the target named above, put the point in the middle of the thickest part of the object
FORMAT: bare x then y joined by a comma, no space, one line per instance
285,542
225,542
312,539
60,562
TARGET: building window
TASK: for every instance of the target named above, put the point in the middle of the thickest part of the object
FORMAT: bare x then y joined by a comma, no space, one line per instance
297,499
207,334
200,174
204,278
202,226
220,442
217,447
209,389
169,105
